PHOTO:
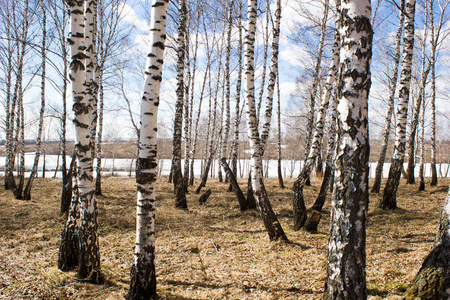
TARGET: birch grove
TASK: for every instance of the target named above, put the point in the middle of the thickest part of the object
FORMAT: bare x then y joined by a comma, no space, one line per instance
340,71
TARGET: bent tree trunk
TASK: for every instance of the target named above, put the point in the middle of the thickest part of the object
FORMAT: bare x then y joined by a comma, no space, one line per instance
237,190
433,279
346,268
389,199
298,201
143,276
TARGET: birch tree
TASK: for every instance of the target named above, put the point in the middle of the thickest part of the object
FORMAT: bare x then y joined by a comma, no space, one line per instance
178,182
392,88
269,218
389,199
88,255
436,39
27,190
346,245
298,201
143,274
315,84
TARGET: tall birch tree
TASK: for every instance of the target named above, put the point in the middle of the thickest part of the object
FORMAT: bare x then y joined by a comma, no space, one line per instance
346,269
389,199
269,218
178,182
143,274
27,190
298,201
392,87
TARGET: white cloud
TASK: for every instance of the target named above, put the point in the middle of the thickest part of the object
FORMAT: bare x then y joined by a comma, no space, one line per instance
294,55
130,16
287,88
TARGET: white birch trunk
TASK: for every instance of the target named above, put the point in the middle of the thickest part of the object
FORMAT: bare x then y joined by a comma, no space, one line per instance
89,256
270,220
389,200
178,183
392,88
299,203
27,190
346,269
143,276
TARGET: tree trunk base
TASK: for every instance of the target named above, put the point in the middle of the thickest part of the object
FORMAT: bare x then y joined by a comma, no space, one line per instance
68,249
204,197
434,179
313,221
140,290
433,280
299,207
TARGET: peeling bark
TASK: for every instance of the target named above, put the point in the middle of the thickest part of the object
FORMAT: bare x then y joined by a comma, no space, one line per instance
346,268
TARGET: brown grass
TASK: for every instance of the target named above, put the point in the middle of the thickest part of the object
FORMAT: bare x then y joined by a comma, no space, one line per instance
212,251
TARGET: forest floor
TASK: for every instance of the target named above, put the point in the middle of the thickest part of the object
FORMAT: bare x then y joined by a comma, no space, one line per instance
212,251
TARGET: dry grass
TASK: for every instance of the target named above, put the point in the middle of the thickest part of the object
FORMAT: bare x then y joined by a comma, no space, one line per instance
212,251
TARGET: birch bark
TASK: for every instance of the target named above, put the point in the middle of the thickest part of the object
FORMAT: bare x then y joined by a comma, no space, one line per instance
346,274
178,182
270,220
298,200
389,199
433,279
392,87
143,276
27,190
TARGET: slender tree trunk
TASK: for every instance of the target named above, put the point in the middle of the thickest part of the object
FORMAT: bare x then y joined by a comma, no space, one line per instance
66,195
329,165
9,118
18,192
18,93
99,169
298,200
188,110
434,40
280,175
422,99
346,268
273,71
313,93
264,67
143,274
27,190
389,200
392,86
178,182
237,111
269,218
223,152
415,124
